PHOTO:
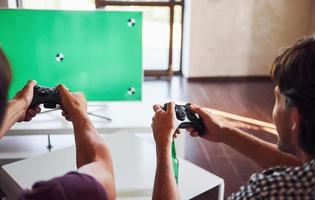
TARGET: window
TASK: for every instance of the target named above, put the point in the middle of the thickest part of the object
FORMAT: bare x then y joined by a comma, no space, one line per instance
162,27
162,32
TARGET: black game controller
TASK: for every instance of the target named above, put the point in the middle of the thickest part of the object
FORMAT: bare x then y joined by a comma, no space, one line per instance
188,118
50,97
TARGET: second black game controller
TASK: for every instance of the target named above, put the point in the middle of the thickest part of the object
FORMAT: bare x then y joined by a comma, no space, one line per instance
50,97
188,119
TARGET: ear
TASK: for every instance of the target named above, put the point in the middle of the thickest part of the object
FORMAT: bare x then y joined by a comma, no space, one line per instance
295,121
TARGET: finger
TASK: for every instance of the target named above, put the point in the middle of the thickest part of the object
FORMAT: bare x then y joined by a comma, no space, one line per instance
32,110
68,118
31,83
157,108
65,95
64,113
37,109
189,130
79,98
31,113
27,118
200,111
79,94
152,125
171,107
194,134
65,87
63,90
193,107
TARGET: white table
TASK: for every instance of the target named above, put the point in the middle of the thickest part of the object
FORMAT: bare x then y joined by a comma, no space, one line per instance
135,117
132,116
134,167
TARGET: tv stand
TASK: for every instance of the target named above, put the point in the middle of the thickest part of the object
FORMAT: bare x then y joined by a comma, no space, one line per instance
89,113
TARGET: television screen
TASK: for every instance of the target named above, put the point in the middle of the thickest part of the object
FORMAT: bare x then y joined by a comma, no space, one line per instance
97,52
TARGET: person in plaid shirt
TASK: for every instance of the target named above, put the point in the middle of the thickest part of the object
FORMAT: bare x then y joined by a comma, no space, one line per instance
290,165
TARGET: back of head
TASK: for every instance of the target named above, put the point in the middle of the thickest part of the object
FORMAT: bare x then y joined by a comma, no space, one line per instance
5,78
294,73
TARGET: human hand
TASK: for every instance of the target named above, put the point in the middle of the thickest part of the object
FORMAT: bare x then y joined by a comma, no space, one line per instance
22,101
164,125
74,105
214,128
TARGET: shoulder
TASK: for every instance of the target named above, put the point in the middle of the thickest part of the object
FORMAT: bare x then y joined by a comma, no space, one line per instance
280,182
73,185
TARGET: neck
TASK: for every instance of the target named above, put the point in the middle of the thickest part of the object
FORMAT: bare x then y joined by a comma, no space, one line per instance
302,155
306,157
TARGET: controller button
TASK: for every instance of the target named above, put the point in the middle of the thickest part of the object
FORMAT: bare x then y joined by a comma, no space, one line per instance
181,115
43,93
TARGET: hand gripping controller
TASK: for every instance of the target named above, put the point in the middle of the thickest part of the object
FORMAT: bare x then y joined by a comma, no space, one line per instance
50,97
188,118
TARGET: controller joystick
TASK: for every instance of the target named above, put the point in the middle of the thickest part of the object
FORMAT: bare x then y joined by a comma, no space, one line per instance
187,118
50,97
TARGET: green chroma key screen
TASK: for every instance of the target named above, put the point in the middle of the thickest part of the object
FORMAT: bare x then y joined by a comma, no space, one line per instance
97,52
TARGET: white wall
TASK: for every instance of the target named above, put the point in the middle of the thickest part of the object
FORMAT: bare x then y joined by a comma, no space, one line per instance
240,37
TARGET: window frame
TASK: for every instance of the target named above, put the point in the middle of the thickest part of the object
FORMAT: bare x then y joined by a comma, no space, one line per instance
171,4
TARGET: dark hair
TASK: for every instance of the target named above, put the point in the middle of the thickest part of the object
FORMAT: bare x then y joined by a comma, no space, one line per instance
5,78
294,73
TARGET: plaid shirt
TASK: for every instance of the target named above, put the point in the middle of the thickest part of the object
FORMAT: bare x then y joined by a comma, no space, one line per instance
280,183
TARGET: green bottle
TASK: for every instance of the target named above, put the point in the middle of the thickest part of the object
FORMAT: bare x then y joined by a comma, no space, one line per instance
175,161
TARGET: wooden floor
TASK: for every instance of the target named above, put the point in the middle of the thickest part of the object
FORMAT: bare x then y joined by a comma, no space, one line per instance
251,98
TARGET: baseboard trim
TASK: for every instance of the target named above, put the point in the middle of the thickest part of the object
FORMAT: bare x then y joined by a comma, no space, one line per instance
229,79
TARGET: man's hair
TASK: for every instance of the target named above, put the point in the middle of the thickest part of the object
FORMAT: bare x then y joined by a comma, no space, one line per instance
5,78
294,73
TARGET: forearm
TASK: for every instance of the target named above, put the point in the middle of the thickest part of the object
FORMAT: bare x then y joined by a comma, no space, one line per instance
93,155
90,146
263,153
13,111
165,185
